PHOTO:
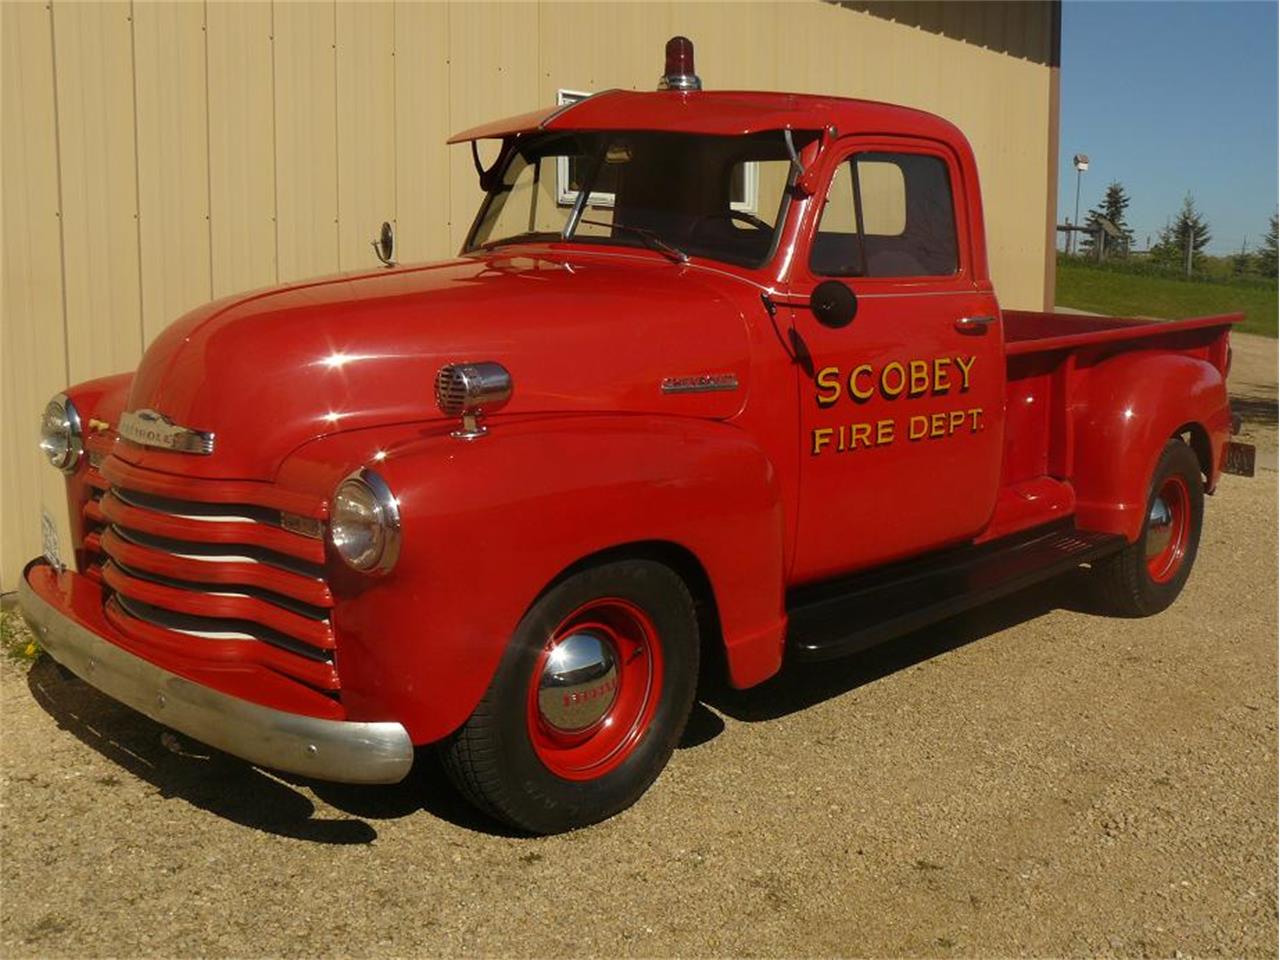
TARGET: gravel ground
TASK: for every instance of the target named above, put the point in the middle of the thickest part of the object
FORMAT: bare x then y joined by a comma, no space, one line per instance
1028,779
1253,391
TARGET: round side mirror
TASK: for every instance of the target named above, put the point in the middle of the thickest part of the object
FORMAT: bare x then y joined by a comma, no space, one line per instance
833,304
385,246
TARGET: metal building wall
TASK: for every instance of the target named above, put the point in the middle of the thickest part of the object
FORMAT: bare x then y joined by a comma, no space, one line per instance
157,155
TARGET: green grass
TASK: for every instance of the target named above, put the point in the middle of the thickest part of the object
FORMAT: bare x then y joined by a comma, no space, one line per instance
1122,294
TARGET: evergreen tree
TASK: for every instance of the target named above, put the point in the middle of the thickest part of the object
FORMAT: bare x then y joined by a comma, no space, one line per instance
1113,206
1267,255
1242,262
1188,226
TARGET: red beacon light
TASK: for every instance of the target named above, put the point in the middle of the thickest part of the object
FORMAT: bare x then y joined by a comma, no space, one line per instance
679,74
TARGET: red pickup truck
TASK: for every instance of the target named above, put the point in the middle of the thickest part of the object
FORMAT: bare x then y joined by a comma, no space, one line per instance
715,375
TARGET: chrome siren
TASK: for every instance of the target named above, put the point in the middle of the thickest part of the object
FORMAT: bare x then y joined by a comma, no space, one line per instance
469,391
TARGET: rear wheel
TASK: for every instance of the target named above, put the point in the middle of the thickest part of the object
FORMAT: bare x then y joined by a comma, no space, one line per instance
1148,575
588,702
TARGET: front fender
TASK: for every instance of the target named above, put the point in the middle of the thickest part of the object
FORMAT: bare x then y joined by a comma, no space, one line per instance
1130,405
98,402
488,524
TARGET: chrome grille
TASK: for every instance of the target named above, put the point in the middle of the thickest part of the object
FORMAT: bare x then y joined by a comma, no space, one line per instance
217,573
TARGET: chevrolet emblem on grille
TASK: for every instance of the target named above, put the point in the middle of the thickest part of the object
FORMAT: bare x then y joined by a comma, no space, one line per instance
150,428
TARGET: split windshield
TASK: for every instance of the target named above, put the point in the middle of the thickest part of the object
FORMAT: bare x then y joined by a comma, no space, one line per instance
679,194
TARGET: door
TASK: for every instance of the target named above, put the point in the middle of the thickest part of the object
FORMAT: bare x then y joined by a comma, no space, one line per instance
902,409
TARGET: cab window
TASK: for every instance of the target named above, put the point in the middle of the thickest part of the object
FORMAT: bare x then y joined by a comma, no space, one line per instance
887,215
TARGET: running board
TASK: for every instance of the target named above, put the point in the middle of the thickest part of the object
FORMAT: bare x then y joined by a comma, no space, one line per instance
835,618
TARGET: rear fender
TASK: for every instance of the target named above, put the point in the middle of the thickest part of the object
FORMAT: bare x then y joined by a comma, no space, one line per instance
488,524
1131,405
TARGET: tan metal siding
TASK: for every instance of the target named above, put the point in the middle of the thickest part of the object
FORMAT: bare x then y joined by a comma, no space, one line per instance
212,148
33,357
242,169
306,117
422,113
173,161
366,131
94,58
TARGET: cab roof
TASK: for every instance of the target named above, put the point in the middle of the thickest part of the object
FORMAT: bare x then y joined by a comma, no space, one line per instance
722,113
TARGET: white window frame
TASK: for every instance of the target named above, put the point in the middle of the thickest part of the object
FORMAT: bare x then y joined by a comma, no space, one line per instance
750,187
565,197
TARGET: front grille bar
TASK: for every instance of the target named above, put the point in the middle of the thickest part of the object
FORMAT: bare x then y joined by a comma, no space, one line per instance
217,589
220,551
199,510
217,628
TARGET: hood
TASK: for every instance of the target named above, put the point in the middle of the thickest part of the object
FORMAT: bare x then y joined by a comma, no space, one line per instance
592,332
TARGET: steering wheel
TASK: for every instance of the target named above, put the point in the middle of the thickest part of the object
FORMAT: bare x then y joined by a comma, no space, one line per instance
745,217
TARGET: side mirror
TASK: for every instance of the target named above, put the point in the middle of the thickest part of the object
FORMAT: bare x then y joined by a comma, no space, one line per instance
833,304
385,246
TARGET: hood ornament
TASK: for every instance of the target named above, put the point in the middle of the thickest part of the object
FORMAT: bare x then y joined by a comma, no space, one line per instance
151,428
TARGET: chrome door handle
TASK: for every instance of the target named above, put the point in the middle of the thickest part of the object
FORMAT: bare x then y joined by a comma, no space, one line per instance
974,324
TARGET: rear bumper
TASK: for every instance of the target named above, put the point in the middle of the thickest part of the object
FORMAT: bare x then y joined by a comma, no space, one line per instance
340,750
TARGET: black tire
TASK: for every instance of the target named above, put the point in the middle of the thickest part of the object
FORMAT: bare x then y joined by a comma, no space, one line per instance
1125,580
493,759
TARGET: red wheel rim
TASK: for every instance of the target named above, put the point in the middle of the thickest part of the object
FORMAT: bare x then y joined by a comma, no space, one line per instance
1168,529
585,722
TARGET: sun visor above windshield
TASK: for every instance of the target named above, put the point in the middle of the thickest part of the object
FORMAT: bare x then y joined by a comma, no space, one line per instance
521,123
509,127
717,113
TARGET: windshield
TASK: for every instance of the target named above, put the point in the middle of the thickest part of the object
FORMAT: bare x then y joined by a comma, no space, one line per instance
679,194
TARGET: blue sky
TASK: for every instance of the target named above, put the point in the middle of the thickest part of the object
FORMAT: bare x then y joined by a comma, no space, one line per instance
1169,98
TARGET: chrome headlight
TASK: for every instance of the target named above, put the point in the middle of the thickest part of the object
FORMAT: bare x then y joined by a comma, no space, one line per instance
60,436
364,523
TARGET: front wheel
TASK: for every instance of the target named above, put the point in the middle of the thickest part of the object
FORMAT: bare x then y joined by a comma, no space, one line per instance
588,703
1147,576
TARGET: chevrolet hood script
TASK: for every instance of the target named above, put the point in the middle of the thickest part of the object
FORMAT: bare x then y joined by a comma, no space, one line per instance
151,428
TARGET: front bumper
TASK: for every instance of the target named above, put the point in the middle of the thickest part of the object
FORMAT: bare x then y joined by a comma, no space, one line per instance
341,750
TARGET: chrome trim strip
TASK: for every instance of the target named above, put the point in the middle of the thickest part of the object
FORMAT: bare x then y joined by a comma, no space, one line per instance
701,383
344,751
215,557
204,518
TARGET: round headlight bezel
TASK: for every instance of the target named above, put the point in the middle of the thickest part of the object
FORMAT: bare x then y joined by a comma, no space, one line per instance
70,436
367,486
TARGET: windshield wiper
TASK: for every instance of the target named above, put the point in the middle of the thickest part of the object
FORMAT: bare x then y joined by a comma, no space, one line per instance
651,239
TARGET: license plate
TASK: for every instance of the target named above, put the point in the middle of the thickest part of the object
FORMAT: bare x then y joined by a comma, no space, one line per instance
49,540
1240,459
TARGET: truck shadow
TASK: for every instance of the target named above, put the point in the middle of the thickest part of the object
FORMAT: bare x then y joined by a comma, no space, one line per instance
180,768
800,686
1259,409
276,803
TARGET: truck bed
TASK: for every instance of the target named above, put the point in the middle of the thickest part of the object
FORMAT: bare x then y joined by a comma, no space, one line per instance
1030,332
1048,356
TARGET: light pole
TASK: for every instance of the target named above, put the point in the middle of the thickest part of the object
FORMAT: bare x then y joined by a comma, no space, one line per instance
1082,164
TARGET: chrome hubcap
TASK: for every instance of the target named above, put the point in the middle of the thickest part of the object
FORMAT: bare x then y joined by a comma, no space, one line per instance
579,682
1159,528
